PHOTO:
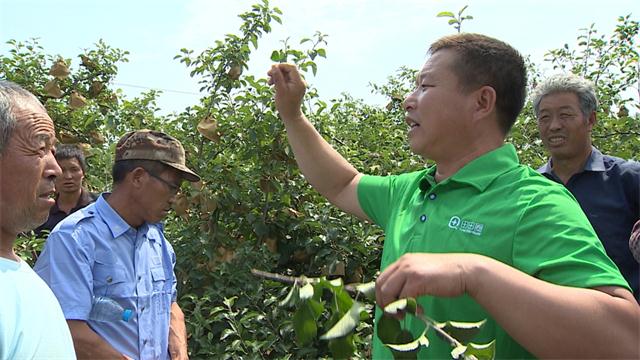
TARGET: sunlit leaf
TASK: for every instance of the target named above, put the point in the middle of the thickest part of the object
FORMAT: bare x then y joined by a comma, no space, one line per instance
292,297
481,351
462,331
275,56
445,14
336,282
368,290
421,340
403,305
458,351
404,337
306,292
346,324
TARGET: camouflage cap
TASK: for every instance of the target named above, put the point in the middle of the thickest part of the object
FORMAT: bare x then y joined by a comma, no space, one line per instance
156,146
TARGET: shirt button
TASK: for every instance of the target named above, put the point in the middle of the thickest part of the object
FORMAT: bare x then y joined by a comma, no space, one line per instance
423,218
432,196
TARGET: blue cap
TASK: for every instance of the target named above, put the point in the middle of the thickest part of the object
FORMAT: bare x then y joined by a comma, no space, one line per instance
126,315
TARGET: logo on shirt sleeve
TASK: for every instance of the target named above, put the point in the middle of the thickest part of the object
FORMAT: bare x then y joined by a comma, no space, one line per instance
466,226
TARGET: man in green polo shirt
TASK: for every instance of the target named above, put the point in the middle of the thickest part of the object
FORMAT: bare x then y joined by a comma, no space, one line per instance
477,235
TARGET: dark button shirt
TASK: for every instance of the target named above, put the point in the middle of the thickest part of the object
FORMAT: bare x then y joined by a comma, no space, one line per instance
608,190
56,215
634,241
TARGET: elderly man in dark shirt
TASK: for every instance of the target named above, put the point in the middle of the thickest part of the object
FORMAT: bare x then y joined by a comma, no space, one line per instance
607,187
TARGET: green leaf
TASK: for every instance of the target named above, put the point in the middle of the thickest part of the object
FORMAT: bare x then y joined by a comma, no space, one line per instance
445,14
342,348
304,324
388,329
404,336
457,351
453,21
292,297
481,351
306,292
276,56
462,331
336,282
346,324
316,308
403,305
368,290
413,345
343,299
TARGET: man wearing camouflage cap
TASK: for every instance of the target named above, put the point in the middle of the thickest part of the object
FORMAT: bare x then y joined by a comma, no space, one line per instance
116,248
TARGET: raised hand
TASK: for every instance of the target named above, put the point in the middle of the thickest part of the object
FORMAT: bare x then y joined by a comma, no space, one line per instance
290,89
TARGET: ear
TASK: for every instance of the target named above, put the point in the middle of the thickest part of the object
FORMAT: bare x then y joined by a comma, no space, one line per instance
137,177
592,120
484,102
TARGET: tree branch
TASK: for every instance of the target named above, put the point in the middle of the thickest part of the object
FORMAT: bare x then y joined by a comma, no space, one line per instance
617,133
285,279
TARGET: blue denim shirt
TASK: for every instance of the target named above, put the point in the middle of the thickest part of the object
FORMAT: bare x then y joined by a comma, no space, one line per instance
94,252
608,190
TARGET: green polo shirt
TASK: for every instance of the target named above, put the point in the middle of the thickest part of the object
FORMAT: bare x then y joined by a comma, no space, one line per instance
495,207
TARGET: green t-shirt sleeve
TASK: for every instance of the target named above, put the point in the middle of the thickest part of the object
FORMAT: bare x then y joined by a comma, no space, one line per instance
375,197
555,242
380,196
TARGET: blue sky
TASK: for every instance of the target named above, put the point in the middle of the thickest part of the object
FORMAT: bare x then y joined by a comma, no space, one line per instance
368,40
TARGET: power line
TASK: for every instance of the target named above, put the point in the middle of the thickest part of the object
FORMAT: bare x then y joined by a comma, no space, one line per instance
160,89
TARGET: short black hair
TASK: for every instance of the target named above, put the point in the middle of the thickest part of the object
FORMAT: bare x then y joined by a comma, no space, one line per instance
68,151
121,168
483,60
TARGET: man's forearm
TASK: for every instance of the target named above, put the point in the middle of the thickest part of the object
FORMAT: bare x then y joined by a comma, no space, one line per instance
89,345
554,321
177,334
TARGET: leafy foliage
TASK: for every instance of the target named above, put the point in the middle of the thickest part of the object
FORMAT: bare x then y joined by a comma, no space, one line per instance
253,208
456,20
611,62
323,304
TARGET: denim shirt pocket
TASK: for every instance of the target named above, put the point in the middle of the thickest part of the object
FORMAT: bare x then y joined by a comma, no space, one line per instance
109,277
160,296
